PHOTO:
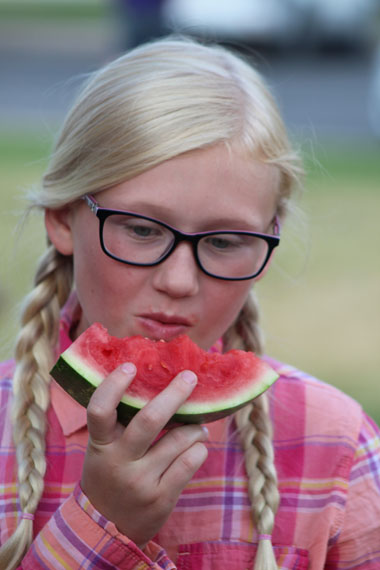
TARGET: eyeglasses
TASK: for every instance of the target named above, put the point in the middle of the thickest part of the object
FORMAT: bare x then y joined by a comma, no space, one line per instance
139,240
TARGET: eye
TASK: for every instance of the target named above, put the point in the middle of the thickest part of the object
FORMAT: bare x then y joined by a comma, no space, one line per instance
142,229
220,242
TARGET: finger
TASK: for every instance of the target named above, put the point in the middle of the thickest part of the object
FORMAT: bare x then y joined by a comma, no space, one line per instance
172,445
101,411
149,422
182,470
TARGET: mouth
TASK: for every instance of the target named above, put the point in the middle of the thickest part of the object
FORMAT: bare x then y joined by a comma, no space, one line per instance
162,326
168,319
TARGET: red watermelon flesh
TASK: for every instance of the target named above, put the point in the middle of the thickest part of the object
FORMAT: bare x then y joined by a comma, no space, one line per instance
226,382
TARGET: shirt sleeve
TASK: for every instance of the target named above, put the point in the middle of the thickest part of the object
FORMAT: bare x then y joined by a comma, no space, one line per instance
78,536
357,545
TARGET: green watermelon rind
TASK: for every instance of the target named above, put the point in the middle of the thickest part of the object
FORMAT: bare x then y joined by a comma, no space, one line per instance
80,380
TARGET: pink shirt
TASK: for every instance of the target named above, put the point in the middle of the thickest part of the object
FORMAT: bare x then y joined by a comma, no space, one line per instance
327,455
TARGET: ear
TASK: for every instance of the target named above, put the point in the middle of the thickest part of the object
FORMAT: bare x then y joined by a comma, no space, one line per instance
58,227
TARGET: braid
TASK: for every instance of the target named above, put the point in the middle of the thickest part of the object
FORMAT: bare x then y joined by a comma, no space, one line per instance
255,429
34,353
245,333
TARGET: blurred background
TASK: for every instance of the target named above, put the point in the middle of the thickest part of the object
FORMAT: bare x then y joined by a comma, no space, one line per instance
321,58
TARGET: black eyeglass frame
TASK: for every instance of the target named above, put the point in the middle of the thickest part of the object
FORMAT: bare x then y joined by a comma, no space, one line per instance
103,213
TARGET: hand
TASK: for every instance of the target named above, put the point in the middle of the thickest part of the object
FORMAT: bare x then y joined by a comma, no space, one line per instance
131,482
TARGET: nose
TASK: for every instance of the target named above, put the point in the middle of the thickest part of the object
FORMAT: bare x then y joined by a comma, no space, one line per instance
178,275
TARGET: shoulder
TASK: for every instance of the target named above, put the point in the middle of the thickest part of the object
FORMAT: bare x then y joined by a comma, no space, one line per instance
6,393
312,398
314,417
327,457
6,374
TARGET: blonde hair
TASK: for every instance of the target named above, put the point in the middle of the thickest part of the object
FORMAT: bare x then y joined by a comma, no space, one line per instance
158,101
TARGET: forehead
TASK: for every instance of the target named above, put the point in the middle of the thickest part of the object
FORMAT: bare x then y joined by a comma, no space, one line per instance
202,189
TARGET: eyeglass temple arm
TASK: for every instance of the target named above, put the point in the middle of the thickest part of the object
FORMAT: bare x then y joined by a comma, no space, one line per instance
91,202
276,226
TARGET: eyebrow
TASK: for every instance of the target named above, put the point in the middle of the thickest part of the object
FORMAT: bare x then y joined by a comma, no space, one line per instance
165,214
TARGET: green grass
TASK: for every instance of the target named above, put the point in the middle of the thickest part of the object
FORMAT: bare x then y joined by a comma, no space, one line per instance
40,10
320,300
22,149
345,164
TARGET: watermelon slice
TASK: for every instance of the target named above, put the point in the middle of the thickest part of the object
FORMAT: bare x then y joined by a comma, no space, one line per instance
226,382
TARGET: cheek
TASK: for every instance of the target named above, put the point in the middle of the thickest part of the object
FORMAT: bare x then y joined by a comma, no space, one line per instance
95,272
234,300
98,280
92,284
107,290
90,269
223,307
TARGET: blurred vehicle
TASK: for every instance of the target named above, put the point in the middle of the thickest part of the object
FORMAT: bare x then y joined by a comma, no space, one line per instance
262,22
281,23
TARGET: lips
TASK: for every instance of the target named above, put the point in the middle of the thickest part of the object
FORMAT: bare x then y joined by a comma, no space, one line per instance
168,319
163,326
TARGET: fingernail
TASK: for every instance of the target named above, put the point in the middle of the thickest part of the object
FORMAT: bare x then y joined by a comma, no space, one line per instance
128,368
205,430
189,377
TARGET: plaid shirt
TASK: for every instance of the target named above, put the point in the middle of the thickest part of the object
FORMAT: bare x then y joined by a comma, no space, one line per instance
327,456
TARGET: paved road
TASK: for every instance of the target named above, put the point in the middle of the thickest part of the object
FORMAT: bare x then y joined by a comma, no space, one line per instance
324,95
319,96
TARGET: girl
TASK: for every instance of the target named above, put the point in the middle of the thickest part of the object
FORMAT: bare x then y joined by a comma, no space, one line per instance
174,137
